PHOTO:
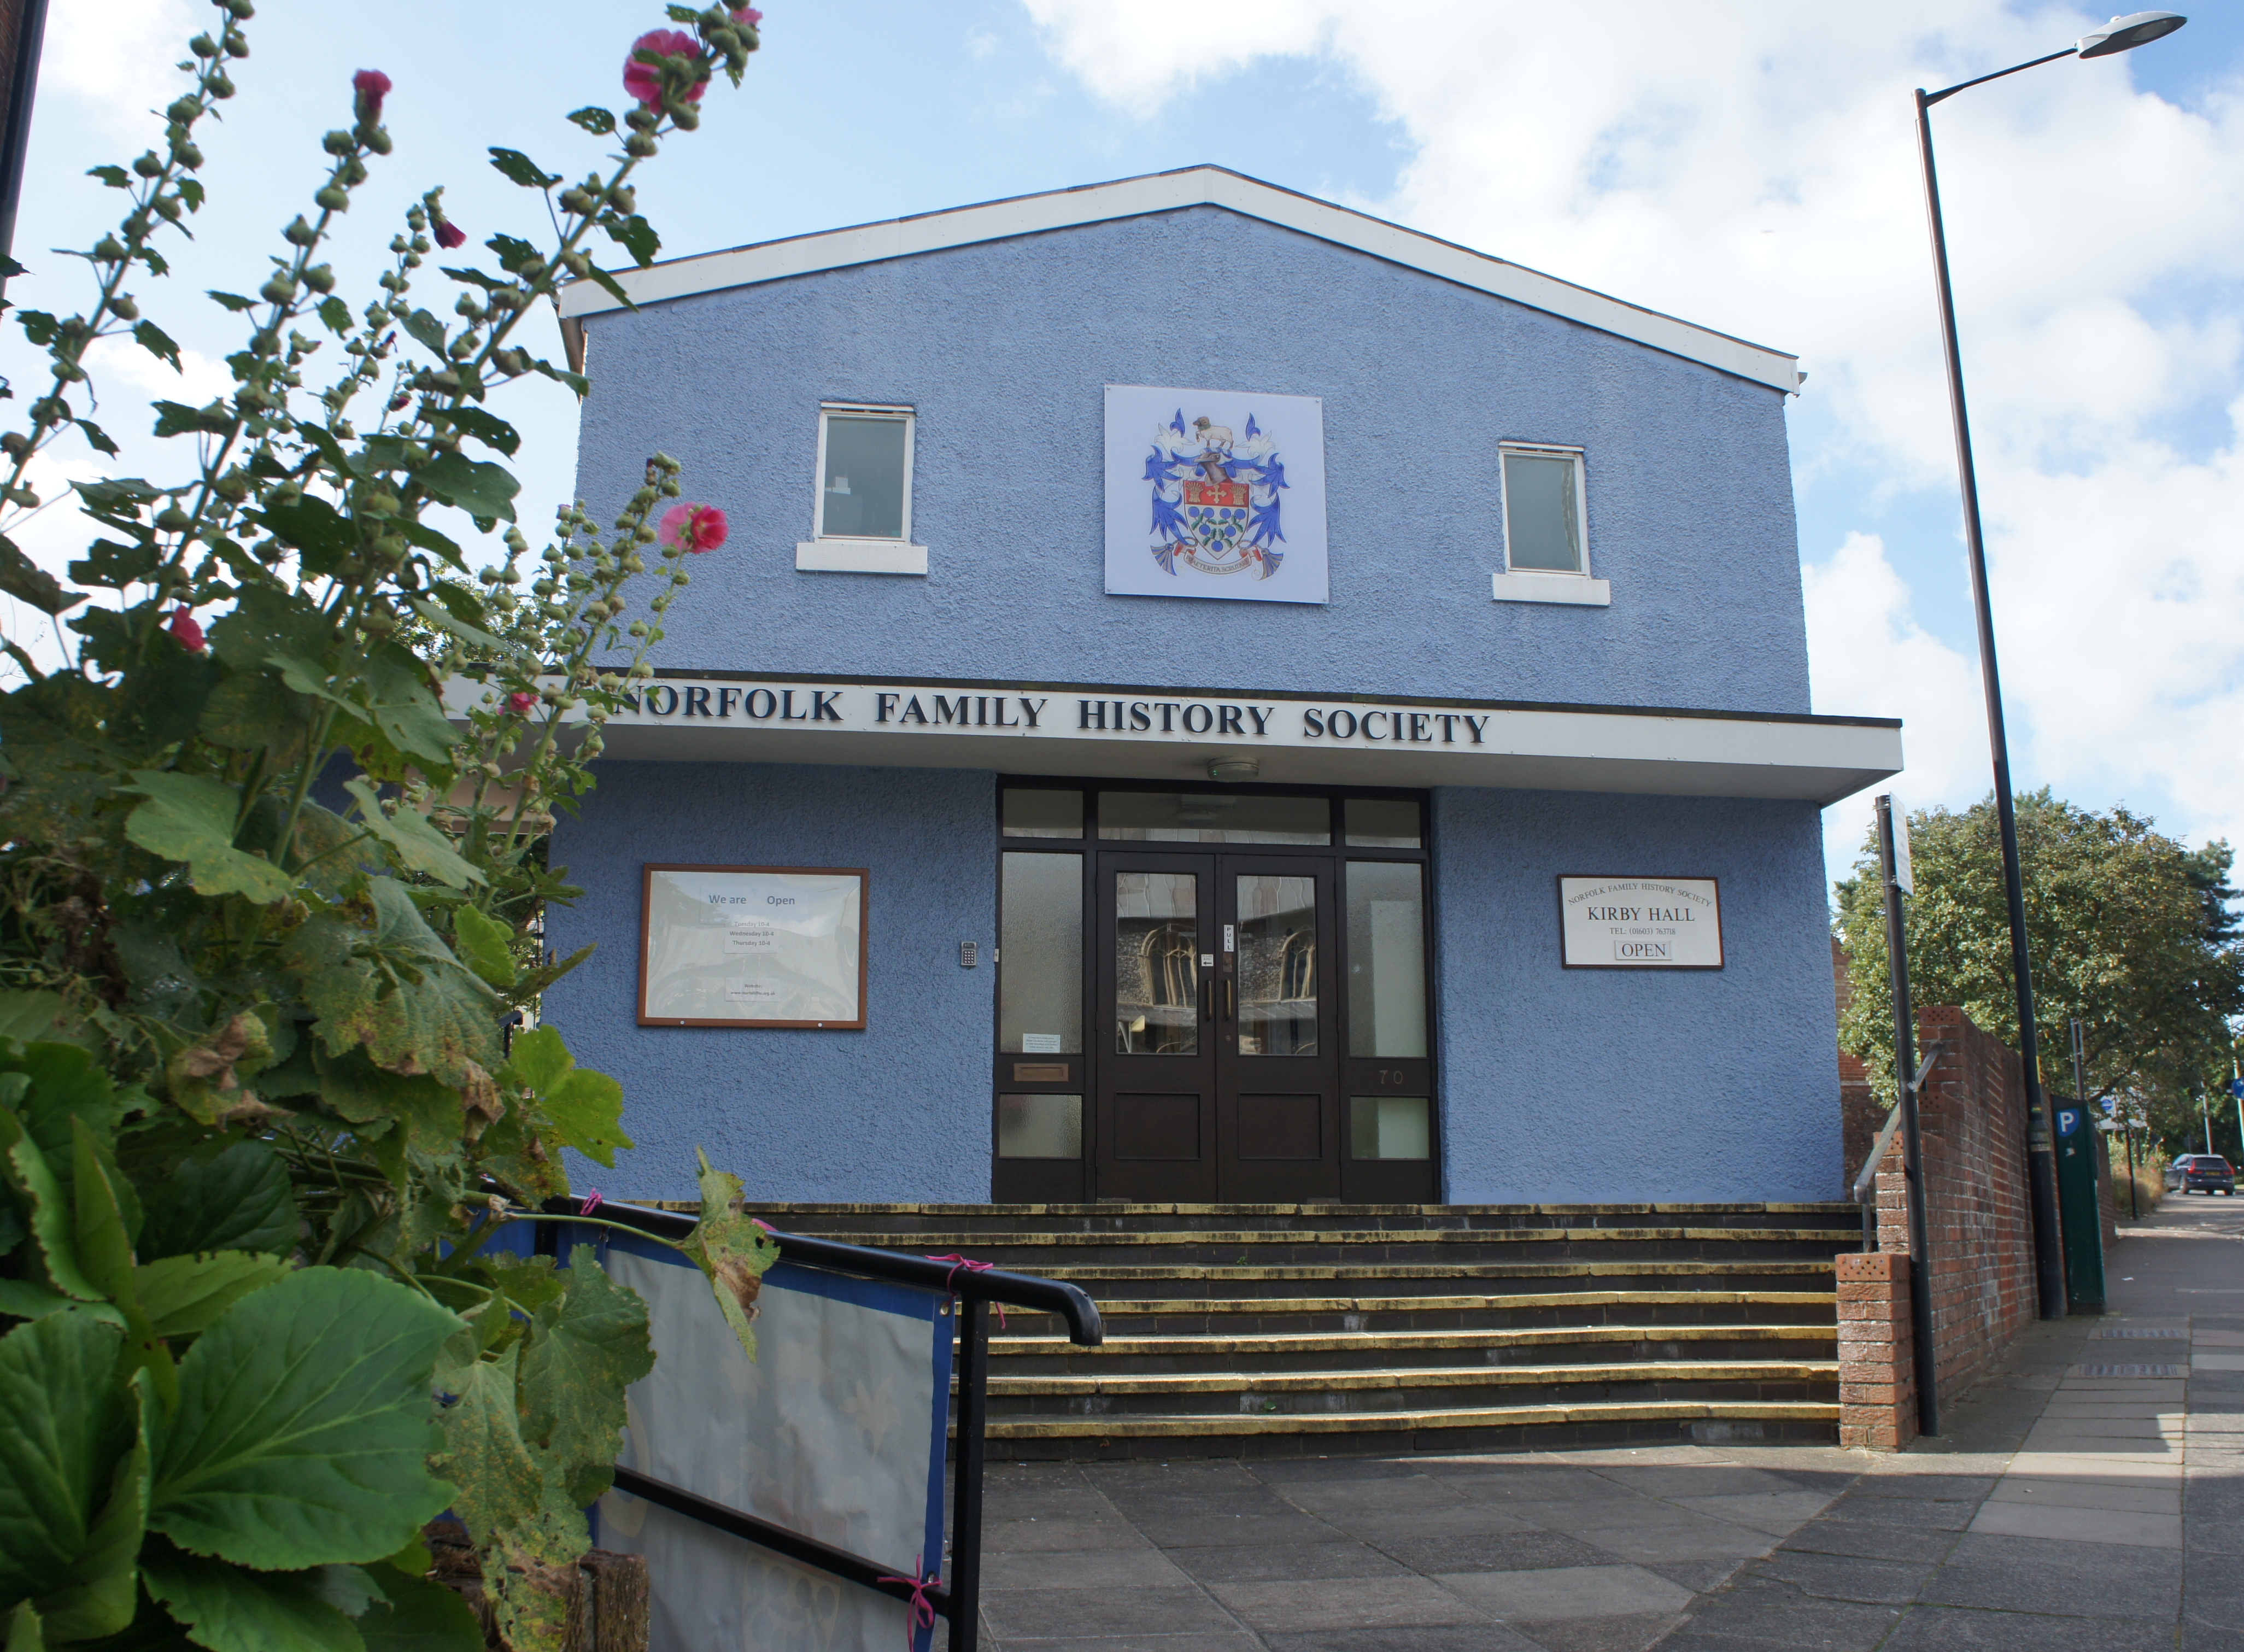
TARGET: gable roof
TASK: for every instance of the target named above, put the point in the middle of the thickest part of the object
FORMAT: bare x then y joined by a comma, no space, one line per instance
1168,192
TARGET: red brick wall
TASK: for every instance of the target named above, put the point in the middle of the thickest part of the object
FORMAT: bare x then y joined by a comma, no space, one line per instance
1877,1371
1971,1114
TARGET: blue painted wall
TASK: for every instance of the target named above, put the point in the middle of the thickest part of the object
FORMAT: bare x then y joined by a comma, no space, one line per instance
1004,350
1565,1085
898,1111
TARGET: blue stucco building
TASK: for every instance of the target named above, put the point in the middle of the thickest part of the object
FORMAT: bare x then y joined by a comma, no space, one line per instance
1208,697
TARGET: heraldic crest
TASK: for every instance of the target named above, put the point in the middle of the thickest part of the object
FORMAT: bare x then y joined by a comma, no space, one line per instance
1215,497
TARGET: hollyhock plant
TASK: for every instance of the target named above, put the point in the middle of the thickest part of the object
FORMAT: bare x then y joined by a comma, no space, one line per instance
449,234
187,632
643,80
372,86
694,528
747,16
520,704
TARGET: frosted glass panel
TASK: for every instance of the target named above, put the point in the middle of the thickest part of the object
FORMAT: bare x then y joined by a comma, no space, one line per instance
1540,513
1213,817
1386,959
1382,822
1040,956
1040,1126
1038,813
1389,1127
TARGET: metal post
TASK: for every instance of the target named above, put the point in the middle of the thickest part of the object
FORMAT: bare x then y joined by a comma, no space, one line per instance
1912,1149
966,1492
2041,1161
2127,1129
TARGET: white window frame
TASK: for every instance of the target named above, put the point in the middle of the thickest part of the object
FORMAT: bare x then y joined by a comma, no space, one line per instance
834,554
1548,585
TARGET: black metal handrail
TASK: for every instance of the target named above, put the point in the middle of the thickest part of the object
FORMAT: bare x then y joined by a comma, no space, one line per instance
974,1289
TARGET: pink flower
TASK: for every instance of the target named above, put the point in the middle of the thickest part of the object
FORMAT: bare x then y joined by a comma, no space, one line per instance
747,16
449,234
694,528
643,81
187,634
372,86
520,704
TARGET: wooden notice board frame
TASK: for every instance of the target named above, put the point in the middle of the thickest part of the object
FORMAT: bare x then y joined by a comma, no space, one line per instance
647,873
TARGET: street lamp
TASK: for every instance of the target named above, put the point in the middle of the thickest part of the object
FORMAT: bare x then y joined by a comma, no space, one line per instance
2121,34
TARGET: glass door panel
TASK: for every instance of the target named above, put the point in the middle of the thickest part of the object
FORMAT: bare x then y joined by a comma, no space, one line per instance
1386,959
1157,990
1040,956
1277,944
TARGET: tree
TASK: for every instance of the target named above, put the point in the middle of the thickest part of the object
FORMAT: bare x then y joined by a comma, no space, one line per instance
2131,933
267,909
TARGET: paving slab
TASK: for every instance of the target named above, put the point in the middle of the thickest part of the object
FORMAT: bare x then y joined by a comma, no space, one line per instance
2099,1525
2020,1488
1281,1608
1568,1592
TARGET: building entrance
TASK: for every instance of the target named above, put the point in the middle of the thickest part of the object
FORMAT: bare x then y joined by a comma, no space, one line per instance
1253,1021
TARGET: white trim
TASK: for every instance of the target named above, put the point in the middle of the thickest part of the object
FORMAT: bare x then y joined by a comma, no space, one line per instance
859,556
1170,192
1046,728
1545,586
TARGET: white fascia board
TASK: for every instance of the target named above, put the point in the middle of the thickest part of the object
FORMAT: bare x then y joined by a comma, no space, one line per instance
1168,192
1042,730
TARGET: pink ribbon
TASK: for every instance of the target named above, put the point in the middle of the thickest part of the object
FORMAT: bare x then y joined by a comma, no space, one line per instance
969,1265
591,1204
919,1612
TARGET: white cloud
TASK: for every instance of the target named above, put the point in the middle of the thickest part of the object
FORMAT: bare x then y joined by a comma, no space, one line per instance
117,60
1754,168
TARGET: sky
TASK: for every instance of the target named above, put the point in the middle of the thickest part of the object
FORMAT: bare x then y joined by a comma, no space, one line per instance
1747,165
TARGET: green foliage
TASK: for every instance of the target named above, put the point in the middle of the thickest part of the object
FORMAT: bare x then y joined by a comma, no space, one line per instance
258,1114
2131,933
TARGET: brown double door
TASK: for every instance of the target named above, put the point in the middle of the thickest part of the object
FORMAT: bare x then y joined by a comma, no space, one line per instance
1218,1075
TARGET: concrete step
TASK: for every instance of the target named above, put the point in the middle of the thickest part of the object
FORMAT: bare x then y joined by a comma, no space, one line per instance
1248,1315
1318,1351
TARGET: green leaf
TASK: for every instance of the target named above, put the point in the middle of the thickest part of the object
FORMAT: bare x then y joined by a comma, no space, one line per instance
107,563
21,1299
377,974
303,1424
191,191
483,1454
529,1281
266,621
444,619
419,1616
487,428
182,1295
28,583
97,1594
96,438
154,340
539,1059
582,1352
576,382
479,488
636,235
32,1017
53,1226
115,176
429,330
513,252
518,167
255,711
335,314
233,301
401,705
484,945
242,1200
65,1427
228,1609
38,327
104,1249
732,1251
469,276
175,418
585,1111
191,818
597,121
420,846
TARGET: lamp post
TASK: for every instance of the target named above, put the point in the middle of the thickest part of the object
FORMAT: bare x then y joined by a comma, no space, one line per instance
2121,34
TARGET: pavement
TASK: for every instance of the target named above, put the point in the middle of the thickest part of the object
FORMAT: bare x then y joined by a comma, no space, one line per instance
2090,1495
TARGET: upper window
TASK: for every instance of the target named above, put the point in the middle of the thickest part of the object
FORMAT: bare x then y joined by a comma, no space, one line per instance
864,473
862,520
1543,510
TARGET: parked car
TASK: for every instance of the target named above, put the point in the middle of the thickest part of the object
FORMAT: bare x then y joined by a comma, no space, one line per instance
2205,1173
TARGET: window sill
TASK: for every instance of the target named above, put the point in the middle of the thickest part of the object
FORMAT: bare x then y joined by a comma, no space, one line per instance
1570,588
860,555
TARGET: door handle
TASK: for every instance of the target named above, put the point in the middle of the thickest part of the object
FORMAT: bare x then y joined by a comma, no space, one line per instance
1230,999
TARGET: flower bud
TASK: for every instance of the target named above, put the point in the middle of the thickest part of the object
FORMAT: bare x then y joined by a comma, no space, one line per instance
237,44
169,207
234,486
331,200
377,140
181,113
338,143
219,82
639,118
171,519
239,9
188,155
354,172
321,278
300,233
109,250
278,290
686,118
575,201
638,146
123,308
381,503
149,165
203,46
